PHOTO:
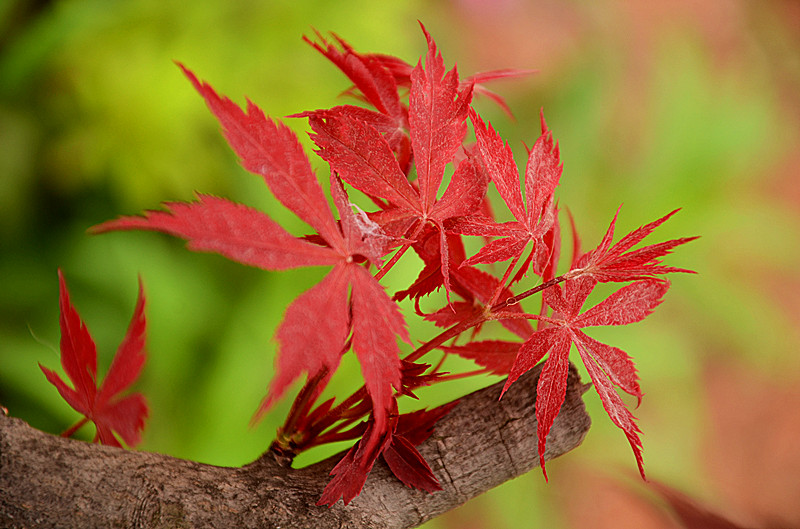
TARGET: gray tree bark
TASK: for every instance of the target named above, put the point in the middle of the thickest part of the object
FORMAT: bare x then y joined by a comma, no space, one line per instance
51,482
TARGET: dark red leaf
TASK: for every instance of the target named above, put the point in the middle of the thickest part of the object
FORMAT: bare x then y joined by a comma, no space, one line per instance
413,377
350,474
409,466
692,513
496,355
418,425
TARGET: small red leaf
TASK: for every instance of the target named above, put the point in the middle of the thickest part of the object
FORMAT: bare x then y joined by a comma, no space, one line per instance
78,351
125,416
608,366
105,407
607,263
130,357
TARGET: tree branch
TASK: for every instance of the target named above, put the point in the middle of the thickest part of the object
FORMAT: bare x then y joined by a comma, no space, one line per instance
48,481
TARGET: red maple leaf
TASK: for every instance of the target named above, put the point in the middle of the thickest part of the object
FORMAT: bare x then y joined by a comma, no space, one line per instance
535,221
375,84
376,78
102,405
401,71
364,158
608,366
497,356
347,301
397,447
620,263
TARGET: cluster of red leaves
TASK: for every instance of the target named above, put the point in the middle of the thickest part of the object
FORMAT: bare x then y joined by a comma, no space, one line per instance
396,154
102,405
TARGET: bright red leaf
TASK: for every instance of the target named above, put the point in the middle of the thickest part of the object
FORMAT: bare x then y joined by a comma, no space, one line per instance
620,263
105,406
238,232
607,366
533,222
365,159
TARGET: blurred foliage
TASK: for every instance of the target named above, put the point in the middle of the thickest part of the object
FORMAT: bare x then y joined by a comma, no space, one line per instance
656,105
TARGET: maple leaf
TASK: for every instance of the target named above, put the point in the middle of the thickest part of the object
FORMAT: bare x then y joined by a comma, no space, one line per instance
369,74
363,157
401,71
397,447
347,300
376,85
542,175
475,286
607,366
110,412
497,356
616,263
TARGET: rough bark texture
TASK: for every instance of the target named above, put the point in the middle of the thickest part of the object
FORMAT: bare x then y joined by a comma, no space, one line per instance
47,481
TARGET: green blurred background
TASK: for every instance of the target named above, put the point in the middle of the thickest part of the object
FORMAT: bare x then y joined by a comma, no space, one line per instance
656,105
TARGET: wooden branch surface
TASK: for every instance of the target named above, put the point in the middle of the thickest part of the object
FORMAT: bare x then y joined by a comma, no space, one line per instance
50,482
